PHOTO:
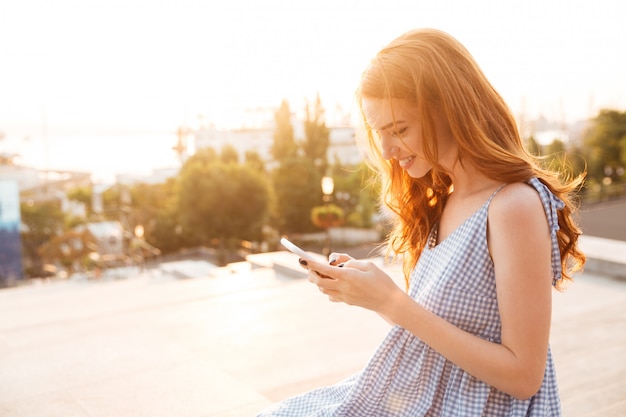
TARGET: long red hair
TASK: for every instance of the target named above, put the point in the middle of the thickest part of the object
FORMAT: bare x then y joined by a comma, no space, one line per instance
433,70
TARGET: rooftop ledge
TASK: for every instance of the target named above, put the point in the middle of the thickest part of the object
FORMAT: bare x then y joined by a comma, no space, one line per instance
605,256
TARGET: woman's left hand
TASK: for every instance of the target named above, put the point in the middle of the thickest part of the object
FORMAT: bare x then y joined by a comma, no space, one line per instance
354,282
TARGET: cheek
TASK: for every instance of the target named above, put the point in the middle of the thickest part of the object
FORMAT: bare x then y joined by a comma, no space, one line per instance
415,144
447,150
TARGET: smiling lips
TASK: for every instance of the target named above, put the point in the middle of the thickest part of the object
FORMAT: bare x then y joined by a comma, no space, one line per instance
406,161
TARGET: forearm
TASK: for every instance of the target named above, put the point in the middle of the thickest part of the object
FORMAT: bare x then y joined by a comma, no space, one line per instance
493,363
387,319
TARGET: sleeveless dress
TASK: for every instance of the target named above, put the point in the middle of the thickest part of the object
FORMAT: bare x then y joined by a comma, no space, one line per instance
405,377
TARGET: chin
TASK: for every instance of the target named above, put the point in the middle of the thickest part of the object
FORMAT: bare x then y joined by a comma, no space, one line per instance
419,172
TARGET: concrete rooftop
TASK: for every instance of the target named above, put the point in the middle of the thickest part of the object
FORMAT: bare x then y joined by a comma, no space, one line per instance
230,341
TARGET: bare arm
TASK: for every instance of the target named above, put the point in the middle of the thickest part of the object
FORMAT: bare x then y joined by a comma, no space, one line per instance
519,243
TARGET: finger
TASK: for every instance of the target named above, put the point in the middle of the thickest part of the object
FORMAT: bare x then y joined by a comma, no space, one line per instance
325,285
332,294
360,265
318,279
323,270
303,263
334,298
337,258
314,276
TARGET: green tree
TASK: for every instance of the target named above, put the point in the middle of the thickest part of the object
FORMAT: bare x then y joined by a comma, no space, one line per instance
221,202
355,194
254,160
154,207
556,147
317,135
229,155
533,146
554,155
42,221
115,200
284,146
575,157
158,210
297,189
82,195
605,147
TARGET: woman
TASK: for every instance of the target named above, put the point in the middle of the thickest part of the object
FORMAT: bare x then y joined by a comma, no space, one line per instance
484,234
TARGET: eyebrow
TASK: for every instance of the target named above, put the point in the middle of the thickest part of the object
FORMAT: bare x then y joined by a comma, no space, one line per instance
389,125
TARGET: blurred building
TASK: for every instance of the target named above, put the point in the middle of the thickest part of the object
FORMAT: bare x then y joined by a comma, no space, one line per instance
98,244
342,141
38,185
108,236
10,241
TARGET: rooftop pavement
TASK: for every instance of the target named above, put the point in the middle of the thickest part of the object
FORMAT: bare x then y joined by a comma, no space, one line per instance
192,340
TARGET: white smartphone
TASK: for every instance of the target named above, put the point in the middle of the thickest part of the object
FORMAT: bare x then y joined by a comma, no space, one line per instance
295,249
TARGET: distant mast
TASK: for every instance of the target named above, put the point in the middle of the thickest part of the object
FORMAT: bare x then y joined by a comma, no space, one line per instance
44,137
183,147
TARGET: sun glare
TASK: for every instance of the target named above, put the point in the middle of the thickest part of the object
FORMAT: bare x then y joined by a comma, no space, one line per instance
120,67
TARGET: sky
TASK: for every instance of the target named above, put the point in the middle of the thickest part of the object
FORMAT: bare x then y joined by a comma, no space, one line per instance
91,73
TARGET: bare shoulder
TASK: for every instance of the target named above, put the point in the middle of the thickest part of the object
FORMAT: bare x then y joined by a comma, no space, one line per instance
517,204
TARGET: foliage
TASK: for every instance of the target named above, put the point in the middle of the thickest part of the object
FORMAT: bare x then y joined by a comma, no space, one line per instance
229,155
317,135
532,146
555,147
296,184
296,180
605,147
168,234
327,215
284,146
154,207
354,193
42,221
72,248
82,195
254,160
216,200
557,156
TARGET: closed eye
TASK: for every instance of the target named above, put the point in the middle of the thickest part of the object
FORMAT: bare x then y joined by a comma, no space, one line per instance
399,132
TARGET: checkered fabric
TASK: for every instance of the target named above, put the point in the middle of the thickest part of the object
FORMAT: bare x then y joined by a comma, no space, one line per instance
405,377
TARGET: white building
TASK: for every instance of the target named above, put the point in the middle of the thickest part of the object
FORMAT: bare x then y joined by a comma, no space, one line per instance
342,142
45,185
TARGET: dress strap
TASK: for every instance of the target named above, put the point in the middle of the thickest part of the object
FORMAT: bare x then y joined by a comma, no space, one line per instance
494,194
551,204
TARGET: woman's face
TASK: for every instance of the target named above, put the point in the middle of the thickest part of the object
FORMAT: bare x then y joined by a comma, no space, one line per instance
400,132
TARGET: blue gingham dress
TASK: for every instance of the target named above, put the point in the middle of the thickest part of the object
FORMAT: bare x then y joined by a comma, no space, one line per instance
405,377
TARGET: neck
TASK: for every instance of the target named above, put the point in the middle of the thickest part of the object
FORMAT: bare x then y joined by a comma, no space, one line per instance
468,180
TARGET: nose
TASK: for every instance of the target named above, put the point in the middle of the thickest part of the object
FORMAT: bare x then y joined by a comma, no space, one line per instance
389,148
